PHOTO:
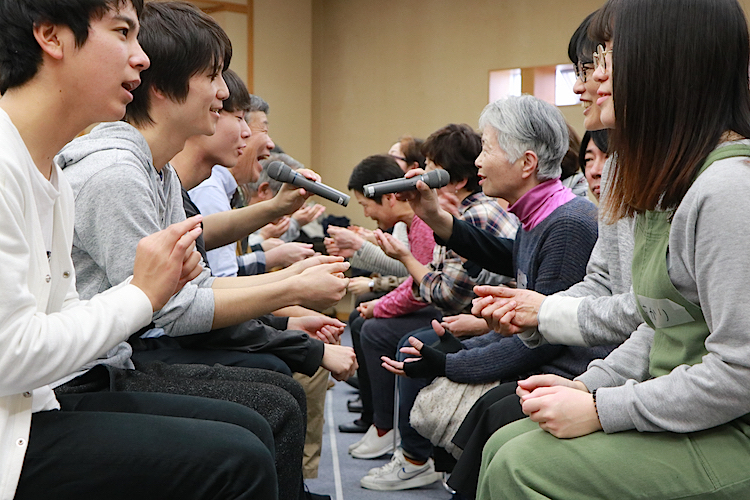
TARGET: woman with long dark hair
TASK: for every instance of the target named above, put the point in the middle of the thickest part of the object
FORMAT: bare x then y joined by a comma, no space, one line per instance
673,400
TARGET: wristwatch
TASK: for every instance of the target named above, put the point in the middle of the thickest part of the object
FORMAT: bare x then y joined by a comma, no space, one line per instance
371,284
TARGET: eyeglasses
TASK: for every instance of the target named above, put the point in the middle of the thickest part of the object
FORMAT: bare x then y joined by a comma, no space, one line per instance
583,70
397,157
599,57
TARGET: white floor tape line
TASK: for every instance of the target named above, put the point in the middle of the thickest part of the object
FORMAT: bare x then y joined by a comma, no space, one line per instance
334,448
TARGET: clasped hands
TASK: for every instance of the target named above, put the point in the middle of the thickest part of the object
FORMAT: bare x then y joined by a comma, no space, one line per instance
507,311
562,407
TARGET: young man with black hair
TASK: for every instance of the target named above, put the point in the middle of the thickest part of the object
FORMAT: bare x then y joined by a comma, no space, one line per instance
63,66
386,211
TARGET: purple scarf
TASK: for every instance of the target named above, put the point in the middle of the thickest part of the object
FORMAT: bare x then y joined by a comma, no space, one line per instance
534,206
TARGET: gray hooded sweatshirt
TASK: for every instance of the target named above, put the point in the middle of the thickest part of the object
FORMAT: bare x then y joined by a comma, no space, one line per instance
120,198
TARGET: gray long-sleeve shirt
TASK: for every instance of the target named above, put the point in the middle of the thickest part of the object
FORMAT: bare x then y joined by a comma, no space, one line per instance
707,264
372,258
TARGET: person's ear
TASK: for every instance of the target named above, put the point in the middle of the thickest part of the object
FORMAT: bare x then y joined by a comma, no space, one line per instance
264,191
458,186
51,38
530,162
157,94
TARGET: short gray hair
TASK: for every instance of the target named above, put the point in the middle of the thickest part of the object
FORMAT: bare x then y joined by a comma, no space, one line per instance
257,104
524,123
273,184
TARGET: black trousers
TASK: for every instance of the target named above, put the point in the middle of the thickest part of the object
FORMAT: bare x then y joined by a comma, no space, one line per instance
148,446
168,350
380,337
365,394
355,326
497,407
279,399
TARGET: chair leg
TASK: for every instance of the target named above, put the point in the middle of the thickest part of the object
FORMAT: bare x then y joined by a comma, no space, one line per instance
396,400
444,481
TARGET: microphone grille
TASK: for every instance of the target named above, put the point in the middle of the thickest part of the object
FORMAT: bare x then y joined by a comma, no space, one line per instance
438,178
278,170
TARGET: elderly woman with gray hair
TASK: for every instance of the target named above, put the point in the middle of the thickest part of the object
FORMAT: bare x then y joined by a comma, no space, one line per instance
523,142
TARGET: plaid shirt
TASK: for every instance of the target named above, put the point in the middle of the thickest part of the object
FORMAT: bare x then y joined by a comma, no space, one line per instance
448,285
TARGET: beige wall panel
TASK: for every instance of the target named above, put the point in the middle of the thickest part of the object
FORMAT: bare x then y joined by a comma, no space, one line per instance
283,71
235,24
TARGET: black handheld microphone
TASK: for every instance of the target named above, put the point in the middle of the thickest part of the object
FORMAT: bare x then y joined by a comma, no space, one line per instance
435,179
282,172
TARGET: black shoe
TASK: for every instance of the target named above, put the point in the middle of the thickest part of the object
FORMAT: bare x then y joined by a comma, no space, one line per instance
306,495
315,496
359,426
354,405
353,381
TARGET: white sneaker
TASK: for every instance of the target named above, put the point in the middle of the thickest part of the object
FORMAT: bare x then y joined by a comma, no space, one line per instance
370,430
400,474
373,446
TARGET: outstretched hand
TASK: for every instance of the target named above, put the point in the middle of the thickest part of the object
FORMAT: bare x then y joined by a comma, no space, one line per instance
321,327
275,229
429,361
270,244
397,367
301,265
391,246
322,286
339,360
308,213
365,234
359,285
465,325
367,309
288,253
342,241
166,260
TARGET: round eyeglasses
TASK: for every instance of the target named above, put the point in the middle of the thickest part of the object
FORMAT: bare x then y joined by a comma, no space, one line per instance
600,55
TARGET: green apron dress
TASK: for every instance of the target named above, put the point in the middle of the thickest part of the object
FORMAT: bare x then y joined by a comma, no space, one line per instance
523,461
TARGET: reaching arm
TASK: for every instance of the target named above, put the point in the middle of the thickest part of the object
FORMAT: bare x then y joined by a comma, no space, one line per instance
226,227
317,287
397,250
481,247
